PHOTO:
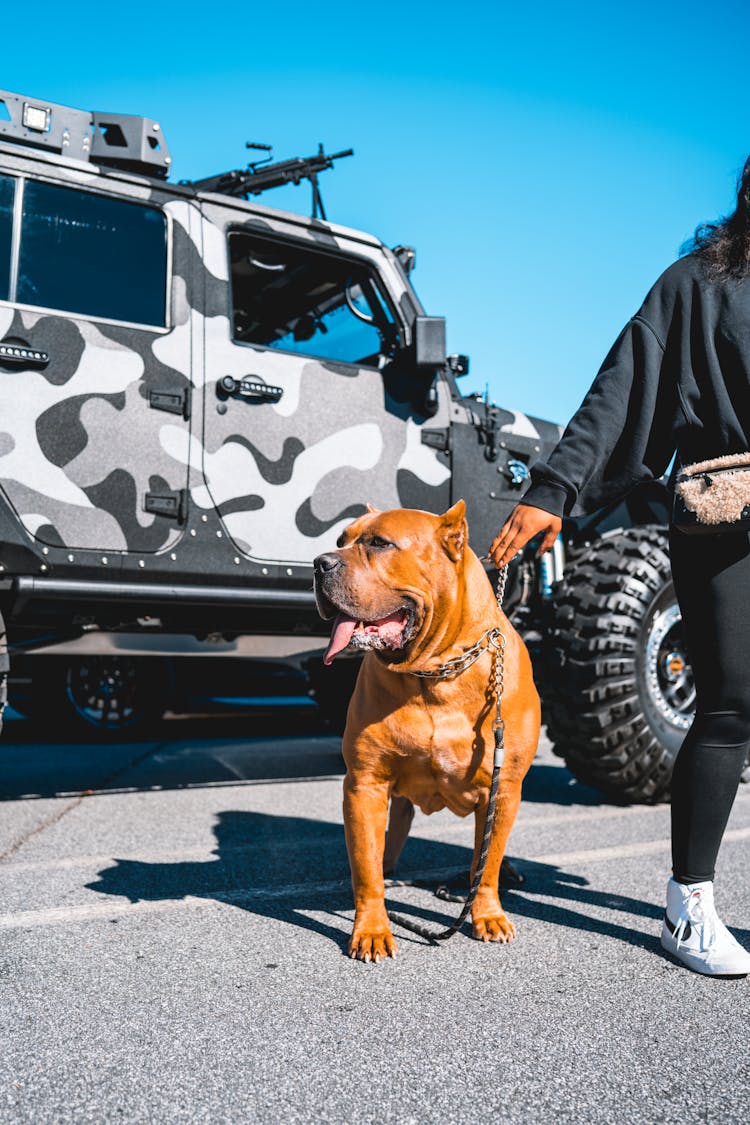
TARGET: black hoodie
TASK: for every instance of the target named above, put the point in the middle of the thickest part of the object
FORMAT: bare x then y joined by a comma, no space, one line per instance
677,379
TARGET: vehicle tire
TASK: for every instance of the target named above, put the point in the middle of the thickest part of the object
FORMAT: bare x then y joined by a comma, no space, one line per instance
4,667
616,685
99,695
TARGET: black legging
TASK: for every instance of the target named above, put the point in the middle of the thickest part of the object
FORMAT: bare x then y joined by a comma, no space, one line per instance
712,581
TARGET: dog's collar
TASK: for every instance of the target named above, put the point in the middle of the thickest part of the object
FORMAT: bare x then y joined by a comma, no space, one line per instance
492,639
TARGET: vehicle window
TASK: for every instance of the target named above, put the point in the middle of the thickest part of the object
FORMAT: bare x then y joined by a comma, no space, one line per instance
310,303
7,195
85,253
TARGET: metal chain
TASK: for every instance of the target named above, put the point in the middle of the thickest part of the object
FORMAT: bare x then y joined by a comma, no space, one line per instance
458,664
495,640
498,723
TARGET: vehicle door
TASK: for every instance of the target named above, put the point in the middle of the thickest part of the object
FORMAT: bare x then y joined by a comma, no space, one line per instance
95,353
307,416
492,457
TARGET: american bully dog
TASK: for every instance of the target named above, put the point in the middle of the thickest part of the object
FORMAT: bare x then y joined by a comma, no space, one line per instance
405,588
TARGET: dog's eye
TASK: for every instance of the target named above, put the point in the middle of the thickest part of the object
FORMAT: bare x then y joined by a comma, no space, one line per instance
340,541
379,544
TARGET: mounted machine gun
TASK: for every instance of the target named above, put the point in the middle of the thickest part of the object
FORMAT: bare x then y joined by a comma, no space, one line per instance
264,175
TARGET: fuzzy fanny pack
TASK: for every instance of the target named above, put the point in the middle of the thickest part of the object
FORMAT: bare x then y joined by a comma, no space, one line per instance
713,495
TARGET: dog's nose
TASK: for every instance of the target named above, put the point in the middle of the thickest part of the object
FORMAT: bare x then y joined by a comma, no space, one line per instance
327,562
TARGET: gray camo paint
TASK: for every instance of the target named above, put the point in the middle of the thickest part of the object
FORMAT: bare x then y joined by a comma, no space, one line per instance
80,446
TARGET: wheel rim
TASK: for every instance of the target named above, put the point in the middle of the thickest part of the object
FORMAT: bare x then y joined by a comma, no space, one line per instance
668,673
104,692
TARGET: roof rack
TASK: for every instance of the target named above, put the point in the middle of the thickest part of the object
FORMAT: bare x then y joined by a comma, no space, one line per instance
115,140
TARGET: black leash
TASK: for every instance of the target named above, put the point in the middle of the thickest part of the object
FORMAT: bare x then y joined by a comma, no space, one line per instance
495,640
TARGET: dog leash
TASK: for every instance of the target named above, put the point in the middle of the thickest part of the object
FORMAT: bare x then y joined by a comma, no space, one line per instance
494,640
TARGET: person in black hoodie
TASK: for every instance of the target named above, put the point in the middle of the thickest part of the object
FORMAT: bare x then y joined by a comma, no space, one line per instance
677,381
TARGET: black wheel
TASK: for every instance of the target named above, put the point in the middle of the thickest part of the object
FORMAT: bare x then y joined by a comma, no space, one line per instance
4,666
110,695
616,685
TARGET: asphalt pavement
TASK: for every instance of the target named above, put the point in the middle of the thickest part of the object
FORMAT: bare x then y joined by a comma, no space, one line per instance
174,915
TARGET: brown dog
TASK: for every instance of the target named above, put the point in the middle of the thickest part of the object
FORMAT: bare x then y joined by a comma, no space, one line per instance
405,586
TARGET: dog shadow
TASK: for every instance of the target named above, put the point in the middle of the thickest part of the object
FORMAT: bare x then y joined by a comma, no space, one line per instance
295,870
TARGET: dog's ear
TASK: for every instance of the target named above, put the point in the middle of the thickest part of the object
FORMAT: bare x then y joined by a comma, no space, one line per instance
373,511
454,531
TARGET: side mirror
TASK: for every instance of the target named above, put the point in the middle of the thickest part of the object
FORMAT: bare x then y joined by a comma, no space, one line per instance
407,256
459,365
429,343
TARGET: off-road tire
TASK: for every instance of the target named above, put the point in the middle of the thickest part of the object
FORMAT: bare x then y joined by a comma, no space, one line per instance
611,710
4,667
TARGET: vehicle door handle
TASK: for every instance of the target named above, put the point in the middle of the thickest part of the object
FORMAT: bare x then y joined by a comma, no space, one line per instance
249,387
22,355
516,471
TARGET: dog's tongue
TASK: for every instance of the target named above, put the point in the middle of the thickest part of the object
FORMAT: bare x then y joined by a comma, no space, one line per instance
390,629
343,627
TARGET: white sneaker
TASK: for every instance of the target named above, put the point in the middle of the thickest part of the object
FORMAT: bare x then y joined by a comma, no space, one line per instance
693,932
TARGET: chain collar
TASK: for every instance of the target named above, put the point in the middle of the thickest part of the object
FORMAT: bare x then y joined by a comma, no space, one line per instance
492,639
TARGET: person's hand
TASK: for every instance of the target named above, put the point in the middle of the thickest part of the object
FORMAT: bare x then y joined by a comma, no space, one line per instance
523,523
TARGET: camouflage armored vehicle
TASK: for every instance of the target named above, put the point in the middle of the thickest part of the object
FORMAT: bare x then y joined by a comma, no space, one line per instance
198,392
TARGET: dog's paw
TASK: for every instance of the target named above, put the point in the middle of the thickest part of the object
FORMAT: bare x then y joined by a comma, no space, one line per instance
495,928
372,944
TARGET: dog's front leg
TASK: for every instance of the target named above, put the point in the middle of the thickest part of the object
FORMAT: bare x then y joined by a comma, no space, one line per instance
365,815
489,921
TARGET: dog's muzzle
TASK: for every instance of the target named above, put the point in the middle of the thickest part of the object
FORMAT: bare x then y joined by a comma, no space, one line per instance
350,630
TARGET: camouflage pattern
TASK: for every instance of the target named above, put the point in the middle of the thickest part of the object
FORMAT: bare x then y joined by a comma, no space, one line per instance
80,445
287,477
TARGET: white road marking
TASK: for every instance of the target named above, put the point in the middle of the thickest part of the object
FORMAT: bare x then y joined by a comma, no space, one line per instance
455,828
210,853
565,817
86,912
94,910
624,851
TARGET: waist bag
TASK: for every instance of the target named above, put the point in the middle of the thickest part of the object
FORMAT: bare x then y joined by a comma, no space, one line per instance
713,496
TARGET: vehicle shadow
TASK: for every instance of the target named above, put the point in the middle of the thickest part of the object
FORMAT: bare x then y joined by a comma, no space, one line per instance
553,784
274,714
295,870
195,751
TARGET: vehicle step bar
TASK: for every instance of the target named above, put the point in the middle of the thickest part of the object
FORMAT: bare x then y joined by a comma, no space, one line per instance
70,589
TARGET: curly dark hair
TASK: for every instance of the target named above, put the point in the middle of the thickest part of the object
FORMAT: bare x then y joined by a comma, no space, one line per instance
724,245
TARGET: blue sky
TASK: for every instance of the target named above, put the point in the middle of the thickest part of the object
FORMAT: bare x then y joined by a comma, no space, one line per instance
546,160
